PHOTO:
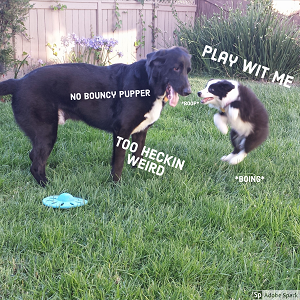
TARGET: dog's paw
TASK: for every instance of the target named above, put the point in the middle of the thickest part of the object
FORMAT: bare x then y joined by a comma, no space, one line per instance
221,123
227,157
237,158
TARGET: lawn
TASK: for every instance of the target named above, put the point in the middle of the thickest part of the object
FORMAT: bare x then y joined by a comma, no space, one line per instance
195,233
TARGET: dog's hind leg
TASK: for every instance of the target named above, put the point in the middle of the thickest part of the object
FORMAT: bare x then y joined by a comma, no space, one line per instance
237,141
43,143
42,136
38,118
238,153
255,139
249,143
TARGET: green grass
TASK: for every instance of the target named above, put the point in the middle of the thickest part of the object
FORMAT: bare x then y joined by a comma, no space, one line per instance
257,34
195,233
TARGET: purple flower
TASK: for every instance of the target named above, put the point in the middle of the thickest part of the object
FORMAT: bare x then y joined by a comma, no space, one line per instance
74,38
83,42
96,43
67,42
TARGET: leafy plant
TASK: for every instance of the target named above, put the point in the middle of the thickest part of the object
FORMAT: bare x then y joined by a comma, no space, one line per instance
20,63
58,6
12,16
118,15
94,50
259,35
141,42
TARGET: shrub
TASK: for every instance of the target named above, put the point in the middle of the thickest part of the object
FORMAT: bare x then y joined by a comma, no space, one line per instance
12,16
258,34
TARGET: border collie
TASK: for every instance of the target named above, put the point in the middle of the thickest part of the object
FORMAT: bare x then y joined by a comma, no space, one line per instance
240,108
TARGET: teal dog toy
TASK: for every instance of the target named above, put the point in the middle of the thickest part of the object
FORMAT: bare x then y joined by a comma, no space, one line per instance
64,201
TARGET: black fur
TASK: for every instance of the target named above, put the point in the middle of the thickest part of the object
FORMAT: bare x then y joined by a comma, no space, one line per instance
38,96
221,89
250,110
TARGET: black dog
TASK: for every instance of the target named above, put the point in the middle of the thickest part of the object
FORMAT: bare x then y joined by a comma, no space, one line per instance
46,97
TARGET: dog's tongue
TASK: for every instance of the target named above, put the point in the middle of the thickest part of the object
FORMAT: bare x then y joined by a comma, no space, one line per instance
206,99
173,97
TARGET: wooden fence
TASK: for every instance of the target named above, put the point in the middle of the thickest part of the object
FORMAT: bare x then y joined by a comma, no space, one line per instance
289,8
152,22
209,7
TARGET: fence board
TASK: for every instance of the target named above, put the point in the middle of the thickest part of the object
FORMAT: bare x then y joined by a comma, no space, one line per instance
24,43
75,21
81,22
49,30
33,34
209,7
93,19
41,34
81,6
63,22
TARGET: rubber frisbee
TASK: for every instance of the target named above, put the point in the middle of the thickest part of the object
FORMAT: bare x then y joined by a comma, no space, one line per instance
64,201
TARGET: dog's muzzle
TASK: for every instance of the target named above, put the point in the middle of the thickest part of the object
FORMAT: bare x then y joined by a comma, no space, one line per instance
186,91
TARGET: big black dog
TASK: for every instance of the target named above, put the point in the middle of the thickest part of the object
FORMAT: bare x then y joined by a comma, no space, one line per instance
42,99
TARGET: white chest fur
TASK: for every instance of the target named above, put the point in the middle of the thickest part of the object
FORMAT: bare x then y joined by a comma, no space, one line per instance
151,116
236,123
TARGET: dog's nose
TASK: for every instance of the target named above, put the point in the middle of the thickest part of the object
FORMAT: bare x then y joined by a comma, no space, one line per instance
199,94
187,91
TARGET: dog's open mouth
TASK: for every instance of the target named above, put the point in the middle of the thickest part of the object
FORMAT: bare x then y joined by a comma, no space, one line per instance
172,96
203,101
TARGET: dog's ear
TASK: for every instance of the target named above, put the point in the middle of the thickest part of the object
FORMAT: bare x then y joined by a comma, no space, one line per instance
226,86
155,62
157,58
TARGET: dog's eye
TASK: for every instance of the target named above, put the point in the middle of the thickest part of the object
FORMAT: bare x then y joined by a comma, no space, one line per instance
212,90
176,69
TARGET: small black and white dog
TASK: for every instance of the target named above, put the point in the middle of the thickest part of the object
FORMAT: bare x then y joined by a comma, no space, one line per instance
239,107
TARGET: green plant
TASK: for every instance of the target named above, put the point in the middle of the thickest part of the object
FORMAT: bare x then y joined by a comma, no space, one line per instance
5,98
117,13
259,35
20,63
58,6
141,42
6,58
12,16
154,29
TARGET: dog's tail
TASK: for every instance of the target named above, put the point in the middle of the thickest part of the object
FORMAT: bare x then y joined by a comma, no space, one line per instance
8,87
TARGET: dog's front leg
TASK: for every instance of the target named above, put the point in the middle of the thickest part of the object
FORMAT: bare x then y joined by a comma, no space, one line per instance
220,120
139,138
118,157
